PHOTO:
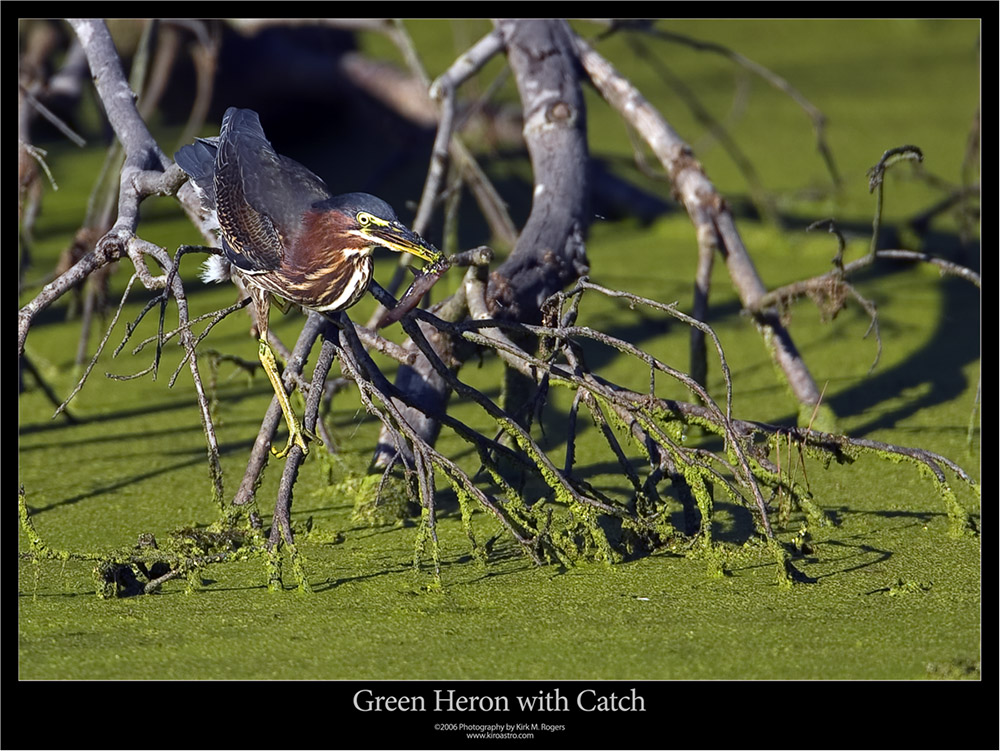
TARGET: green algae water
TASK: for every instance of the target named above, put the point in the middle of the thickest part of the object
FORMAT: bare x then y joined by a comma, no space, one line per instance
896,596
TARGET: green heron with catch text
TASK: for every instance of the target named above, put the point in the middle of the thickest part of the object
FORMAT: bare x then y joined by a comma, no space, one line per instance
283,233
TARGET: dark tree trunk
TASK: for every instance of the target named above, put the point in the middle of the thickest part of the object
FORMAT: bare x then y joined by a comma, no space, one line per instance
550,251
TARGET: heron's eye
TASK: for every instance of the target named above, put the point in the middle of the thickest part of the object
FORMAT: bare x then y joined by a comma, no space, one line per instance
364,218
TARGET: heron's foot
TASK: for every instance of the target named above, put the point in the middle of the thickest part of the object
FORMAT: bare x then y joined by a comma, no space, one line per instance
297,436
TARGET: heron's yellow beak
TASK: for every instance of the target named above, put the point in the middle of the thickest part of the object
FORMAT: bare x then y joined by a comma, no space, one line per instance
395,236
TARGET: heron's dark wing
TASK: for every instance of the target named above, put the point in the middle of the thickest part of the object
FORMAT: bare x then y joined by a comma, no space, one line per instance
260,196
251,240
198,161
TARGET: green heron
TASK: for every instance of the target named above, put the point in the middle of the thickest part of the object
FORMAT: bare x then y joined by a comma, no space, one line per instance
284,234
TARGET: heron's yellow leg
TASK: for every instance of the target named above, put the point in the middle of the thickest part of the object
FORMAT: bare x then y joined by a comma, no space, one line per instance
262,306
296,435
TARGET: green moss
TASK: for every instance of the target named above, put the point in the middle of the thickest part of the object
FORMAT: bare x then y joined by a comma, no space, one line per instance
467,506
37,547
378,502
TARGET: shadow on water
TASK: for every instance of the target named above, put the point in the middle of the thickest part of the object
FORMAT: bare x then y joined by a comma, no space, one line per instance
934,370
123,482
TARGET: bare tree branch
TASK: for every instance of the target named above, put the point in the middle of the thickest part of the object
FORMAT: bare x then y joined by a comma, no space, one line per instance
713,222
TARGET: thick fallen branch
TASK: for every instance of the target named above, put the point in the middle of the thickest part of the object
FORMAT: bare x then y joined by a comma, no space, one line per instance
713,222
550,250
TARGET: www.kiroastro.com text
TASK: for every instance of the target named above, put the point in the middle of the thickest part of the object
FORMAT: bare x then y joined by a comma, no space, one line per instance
587,700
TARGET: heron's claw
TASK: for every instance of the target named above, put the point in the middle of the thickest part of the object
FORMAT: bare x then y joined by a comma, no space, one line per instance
297,436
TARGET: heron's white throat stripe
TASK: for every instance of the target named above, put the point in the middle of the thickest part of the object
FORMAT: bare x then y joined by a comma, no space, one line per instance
360,276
